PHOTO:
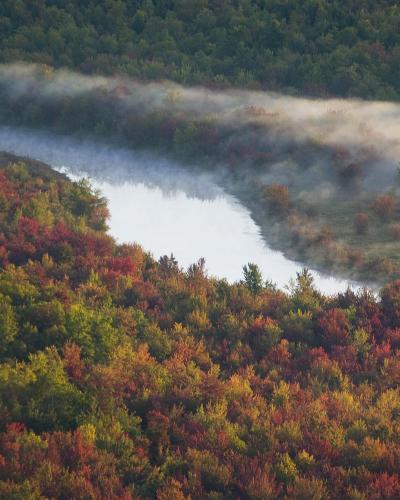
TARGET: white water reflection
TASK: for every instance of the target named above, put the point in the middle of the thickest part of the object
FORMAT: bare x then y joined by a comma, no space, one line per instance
165,208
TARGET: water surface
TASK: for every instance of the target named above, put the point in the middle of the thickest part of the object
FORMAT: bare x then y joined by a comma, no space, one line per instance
165,208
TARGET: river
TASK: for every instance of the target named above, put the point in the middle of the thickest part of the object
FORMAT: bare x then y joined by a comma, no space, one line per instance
166,208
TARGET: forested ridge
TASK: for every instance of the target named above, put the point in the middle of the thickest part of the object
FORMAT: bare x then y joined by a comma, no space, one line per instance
126,377
316,47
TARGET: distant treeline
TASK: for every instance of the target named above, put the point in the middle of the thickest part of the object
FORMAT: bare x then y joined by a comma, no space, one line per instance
317,47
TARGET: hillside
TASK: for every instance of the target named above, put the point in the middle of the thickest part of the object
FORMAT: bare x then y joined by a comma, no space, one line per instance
124,377
315,47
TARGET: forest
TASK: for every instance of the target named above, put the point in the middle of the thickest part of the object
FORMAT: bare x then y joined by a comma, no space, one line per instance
126,377
123,374
313,47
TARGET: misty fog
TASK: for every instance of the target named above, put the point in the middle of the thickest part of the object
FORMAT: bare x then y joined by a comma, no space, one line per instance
369,129
220,144
160,206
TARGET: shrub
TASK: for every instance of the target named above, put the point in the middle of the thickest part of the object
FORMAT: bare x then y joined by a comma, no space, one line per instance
355,257
277,196
324,236
382,266
395,231
384,206
361,222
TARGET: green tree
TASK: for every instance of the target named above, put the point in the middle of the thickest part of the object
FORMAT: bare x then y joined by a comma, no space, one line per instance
253,279
8,323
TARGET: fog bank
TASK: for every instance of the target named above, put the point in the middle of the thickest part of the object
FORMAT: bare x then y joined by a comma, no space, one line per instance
189,216
270,126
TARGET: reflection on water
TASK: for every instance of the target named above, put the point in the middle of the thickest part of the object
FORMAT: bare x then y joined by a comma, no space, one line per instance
165,208
106,163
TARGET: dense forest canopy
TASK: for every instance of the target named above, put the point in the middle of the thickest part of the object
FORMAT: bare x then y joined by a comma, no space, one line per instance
319,47
126,377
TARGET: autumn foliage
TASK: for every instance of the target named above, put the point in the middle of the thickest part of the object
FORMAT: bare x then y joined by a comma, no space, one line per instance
124,377
277,195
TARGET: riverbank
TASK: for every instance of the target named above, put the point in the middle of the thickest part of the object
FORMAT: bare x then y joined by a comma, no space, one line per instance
167,208
319,177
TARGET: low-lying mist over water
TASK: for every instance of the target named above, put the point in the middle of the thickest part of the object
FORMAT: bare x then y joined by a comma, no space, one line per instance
105,163
160,206
368,128
308,170
312,145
